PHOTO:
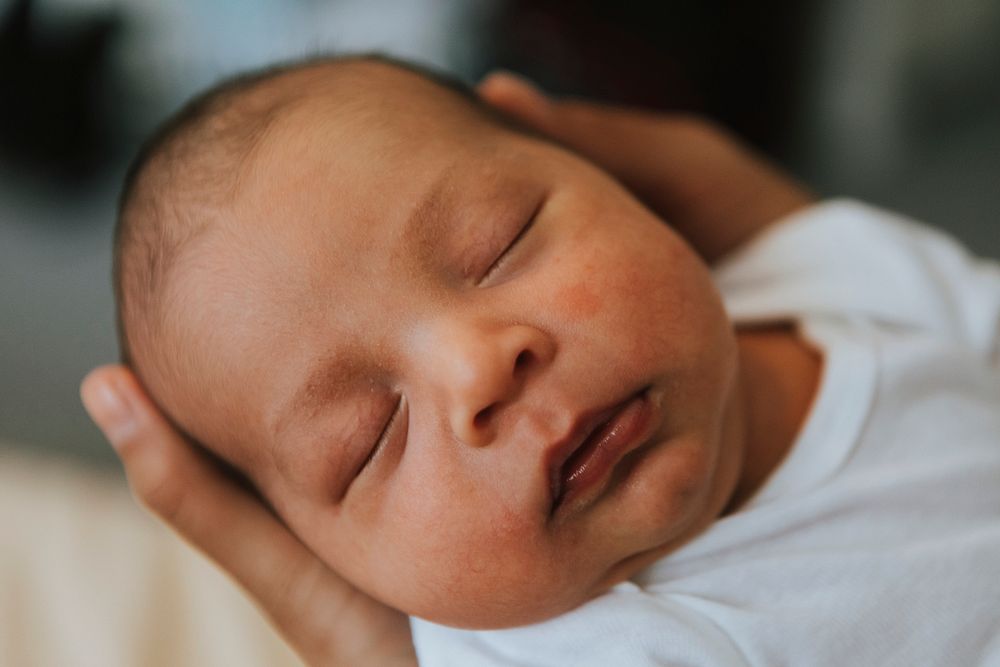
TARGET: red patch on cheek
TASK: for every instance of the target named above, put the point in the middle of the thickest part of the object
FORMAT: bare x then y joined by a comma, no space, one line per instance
579,300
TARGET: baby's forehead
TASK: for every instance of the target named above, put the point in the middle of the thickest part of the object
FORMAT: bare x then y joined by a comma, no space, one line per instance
350,164
372,207
358,142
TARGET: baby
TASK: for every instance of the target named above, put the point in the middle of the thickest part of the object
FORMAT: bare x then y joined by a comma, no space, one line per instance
482,382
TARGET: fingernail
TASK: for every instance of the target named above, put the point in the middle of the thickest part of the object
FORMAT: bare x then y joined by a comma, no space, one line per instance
111,411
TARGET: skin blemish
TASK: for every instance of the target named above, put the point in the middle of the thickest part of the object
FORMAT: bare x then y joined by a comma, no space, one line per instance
579,300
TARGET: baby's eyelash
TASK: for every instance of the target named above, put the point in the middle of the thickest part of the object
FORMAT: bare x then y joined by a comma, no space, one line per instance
499,261
383,437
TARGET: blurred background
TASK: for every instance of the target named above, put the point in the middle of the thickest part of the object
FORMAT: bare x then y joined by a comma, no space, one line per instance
893,101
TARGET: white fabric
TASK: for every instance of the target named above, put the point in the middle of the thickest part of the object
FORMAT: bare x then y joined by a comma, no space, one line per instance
877,541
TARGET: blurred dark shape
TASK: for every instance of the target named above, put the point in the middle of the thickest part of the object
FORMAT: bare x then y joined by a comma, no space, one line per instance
735,61
54,121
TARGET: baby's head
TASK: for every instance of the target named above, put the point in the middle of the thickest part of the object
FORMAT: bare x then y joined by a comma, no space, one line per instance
463,365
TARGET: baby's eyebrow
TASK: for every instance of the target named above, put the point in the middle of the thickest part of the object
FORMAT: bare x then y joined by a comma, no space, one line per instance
458,190
326,380
428,217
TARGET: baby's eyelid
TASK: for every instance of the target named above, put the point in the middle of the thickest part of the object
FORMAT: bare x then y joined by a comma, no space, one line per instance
384,436
499,261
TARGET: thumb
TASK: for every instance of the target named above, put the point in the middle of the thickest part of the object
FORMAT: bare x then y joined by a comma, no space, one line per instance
107,405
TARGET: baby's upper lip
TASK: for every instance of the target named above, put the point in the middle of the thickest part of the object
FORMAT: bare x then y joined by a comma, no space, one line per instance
581,427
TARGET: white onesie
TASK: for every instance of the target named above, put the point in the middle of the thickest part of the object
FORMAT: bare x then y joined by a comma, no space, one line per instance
877,540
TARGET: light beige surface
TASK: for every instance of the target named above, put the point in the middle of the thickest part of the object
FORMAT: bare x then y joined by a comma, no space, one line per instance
89,578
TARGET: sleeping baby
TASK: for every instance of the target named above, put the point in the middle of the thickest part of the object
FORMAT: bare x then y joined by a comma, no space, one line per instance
481,381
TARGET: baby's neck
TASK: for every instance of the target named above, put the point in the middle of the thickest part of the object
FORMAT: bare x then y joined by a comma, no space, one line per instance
779,377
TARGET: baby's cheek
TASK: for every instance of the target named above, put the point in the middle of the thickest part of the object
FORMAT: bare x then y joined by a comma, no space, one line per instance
474,562
595,285
579,300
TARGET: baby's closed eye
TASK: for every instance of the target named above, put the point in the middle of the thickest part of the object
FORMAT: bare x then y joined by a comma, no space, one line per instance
504,255
390,432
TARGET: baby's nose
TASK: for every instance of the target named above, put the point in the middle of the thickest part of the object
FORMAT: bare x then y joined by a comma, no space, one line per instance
481,369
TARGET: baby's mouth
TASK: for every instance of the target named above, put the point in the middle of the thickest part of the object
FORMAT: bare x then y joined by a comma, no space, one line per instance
581,464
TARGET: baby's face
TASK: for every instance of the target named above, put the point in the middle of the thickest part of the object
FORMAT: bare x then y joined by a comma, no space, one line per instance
415,326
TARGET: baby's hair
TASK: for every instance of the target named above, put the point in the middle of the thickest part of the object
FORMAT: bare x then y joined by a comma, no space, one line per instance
190,167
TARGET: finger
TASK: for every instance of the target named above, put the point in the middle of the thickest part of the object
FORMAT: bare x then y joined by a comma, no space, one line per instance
518,97
190,493
572,120
634,145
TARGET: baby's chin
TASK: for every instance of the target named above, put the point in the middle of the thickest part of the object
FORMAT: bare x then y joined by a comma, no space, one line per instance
495,603
499,598
489,603
501,611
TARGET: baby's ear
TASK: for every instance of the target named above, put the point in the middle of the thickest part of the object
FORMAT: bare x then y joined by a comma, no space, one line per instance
518,97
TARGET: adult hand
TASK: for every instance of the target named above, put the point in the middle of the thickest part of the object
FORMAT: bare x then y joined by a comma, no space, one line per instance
699,178
323,617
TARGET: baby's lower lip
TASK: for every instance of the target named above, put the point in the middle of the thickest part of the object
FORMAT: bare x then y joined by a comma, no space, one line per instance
587,472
